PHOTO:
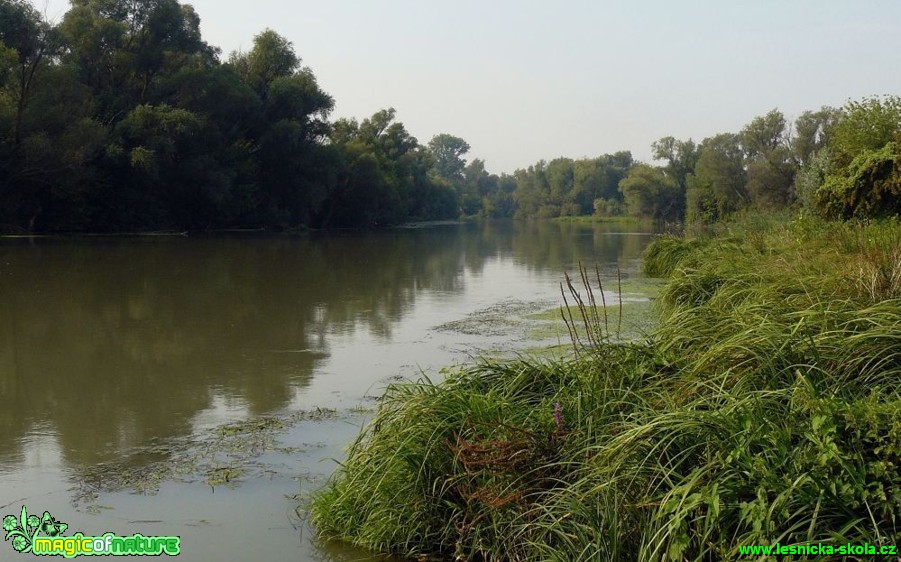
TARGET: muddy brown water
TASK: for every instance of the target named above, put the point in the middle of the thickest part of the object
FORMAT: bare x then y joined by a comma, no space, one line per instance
134,371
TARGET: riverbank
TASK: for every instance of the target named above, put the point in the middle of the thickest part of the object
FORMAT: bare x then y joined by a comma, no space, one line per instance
764,408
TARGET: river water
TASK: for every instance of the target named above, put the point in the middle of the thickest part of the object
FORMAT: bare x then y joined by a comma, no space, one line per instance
200,387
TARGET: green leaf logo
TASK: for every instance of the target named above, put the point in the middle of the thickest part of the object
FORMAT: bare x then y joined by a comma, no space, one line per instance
24,529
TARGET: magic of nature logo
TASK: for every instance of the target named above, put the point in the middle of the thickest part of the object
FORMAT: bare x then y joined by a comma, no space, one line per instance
43,536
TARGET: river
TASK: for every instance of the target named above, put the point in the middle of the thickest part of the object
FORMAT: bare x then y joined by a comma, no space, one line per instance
201,386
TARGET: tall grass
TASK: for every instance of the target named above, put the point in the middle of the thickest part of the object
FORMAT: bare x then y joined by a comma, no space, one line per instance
766,408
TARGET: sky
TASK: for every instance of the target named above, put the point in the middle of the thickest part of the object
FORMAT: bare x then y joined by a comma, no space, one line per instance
524,80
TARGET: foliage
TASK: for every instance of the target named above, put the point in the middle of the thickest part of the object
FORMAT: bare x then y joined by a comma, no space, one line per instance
812,131
763,135
256,148
681,157
448,152
870,186
649,192
811,176
864,178
866,125
765,409
121,118
565,187
718,186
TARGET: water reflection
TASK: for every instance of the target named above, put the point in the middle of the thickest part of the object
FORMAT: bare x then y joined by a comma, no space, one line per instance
112,344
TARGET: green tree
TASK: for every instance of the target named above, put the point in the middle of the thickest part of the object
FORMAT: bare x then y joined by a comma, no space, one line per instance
532,192
233,122
769,163
294,168
477,185
763,135
680,157
559,174
124,49
570,187
271,57
811,132
383,176
868,187
501,202
23,31
650,192
153,146
770,180
864,177
866,125
718,185
590,180
448,151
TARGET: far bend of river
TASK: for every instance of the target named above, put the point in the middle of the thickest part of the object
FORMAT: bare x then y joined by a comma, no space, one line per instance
114,351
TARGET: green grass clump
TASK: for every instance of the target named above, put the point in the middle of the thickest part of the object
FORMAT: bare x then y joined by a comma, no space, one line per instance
663,256
766,408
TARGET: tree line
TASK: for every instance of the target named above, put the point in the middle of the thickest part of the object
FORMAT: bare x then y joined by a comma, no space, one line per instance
120,117
840,163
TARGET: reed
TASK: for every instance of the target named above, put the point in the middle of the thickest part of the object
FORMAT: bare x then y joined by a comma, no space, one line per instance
765,408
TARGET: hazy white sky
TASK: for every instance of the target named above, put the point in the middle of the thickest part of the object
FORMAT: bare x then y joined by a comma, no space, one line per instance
523,80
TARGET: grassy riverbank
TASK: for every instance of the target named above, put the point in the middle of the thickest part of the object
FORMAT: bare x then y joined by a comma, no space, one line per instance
623,220
764,408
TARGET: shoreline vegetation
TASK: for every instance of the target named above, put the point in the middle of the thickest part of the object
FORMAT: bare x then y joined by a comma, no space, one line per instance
120,117
764,408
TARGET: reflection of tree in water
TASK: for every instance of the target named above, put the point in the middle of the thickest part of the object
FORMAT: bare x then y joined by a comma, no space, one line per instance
115,343
372,279
546,245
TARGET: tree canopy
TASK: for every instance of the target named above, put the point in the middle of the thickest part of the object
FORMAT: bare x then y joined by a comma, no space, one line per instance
122,118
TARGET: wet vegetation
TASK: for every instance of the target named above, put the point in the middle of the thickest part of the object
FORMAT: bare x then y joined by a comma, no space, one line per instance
764,408
222,456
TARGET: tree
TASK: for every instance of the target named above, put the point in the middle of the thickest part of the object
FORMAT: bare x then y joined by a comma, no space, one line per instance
477,184
812,131
869,187
532,192
864,176
718,185
271,57
770,180
866,125
294,179
817,167
590,180
559,174
763,135
680,156
23,31
650,192
383,176
770,167
124,49
448,151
